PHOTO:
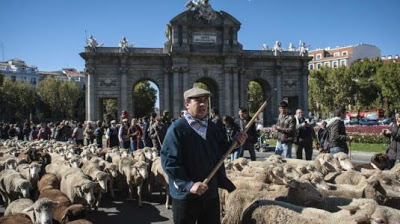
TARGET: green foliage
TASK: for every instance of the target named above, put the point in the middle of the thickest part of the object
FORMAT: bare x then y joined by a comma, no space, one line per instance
61,97
110,109
255,96
365,85
144,98
18,97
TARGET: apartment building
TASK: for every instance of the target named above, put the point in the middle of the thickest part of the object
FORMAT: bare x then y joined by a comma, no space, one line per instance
341,56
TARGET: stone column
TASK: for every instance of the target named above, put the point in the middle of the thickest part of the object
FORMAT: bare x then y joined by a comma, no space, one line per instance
227,108
304,89
177,92
185,75
90,110
278,86
236,93
166,104
123,104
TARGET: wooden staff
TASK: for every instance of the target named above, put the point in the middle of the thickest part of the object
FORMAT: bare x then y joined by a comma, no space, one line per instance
350,150
235,143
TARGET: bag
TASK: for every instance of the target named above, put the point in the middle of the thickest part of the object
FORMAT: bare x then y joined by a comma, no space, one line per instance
324,141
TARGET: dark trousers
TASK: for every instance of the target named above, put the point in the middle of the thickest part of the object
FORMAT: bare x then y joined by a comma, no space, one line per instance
99,141
191,210
249,146
307,146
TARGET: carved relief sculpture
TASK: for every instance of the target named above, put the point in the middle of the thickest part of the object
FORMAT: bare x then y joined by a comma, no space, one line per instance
203,9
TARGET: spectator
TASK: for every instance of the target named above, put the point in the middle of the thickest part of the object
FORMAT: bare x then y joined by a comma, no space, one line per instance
321,132
394,134
135,134
157,133
215,118
98,134
304,136
112,134
34,133
286,128
337,135
89,133
77,134
44,132
123,136
244,119
146,140
231,130
67,132
27,130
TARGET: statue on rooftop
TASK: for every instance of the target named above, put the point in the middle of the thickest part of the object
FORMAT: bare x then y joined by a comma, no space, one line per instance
303,48
291,47
265,47
91,43
277,48
203,8
123,44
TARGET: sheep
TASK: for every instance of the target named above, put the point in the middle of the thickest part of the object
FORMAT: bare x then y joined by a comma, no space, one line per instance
316,179
359,211
11,163
396,170
65,211
379,161
30,172
48,181
135,173
78,187
17,218
344,161
93,170
13,185
112,172
301,193
324,163
158,176
40,212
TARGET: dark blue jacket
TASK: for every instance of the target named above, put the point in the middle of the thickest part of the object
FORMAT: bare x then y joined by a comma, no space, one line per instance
187,158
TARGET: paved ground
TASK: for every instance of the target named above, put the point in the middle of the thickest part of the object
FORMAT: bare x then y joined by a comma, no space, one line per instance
121,210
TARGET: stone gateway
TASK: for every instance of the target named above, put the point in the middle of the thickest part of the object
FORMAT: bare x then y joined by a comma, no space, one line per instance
202,46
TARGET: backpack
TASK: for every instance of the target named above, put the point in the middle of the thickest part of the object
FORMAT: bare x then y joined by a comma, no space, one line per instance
324,141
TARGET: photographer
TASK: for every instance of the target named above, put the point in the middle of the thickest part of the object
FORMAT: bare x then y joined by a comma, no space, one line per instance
304,136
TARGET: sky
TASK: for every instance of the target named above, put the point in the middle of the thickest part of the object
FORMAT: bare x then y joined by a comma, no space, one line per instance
50,34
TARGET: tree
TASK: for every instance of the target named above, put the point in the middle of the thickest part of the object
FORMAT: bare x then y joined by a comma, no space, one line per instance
144,99
388,78
110,109
60,96
18,99
255,96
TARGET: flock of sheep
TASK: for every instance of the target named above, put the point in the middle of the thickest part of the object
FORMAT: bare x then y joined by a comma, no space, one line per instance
48,181
329,189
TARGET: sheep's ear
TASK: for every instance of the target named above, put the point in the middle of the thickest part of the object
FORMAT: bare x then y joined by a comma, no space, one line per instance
79,191
30,208
351,208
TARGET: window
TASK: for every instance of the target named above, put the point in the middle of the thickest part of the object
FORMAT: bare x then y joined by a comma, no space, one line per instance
344,53
334,64
327,64
311,67
337,54
319,56
319,65
342,62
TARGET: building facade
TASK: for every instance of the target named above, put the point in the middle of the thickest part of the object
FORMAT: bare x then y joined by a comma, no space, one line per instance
341,56
202,46
17,70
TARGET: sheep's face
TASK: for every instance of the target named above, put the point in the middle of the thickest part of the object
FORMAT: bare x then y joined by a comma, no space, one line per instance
148,153
141,167
75,162
112,169
290,172
330,163
344,161
154,152
11,164
34,170
24,187
44,215
102,179
304,192
87,192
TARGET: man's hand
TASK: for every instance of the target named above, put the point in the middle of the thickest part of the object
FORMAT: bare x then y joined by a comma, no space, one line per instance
198,188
